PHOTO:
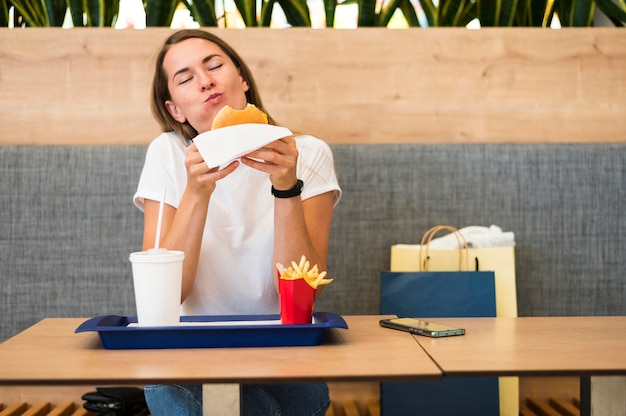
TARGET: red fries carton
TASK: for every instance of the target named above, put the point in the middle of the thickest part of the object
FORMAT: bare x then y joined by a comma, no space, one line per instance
297,289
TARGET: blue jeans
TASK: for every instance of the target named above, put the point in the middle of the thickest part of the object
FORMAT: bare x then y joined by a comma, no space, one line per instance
309,399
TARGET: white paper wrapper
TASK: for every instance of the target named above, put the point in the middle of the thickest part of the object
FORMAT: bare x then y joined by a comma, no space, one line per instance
222,146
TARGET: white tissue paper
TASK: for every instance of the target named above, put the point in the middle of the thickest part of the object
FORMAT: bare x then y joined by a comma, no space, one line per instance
476,237
221,146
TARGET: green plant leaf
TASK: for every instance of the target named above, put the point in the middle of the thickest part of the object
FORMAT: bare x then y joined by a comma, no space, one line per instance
496,12
446,11
76,12
296,11
101,13
330,7
367,13
550,15
532,13
562,10
55,12
408,10
112,11
247,10
488,12
266,13
4,13
451,12
539,15
32,11
615,12
203,11
431,12
92,12
469,13
581,13
383,18
160,12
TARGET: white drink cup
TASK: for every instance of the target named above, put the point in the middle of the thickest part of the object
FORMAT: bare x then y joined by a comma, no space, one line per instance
157,279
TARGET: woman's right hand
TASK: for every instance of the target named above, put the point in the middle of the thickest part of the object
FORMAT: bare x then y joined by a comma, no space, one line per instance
201,180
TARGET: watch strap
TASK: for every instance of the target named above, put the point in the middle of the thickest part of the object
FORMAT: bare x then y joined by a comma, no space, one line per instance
289,193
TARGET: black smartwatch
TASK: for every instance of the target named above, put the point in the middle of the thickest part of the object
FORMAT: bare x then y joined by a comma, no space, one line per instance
289,193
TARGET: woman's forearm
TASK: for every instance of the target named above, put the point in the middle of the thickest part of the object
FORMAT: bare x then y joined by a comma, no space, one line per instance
182,230
185,234
302,228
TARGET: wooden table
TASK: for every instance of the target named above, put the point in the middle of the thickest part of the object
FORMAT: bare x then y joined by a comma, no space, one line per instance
539,346
51,353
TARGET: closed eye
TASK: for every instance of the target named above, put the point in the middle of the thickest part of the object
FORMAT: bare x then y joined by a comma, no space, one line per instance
184,75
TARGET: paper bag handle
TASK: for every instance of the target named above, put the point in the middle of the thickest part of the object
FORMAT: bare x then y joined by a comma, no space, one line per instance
427,238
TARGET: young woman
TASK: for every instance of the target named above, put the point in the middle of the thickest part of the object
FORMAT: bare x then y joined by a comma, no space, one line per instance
233,222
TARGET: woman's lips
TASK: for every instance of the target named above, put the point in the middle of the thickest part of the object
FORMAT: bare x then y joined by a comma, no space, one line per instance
213,98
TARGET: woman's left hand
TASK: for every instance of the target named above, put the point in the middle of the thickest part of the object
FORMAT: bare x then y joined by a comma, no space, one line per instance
279,159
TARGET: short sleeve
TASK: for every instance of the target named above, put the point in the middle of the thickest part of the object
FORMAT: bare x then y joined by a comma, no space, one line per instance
316,168
163,171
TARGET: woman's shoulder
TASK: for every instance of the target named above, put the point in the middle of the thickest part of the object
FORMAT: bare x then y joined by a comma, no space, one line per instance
308,138
168,140
307,142
165,144
316,167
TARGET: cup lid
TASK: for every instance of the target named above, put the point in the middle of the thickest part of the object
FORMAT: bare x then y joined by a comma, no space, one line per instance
157,255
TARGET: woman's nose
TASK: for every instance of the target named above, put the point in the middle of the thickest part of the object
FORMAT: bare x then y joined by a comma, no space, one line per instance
206,81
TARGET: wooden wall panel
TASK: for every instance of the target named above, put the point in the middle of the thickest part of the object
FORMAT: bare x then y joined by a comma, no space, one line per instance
365,85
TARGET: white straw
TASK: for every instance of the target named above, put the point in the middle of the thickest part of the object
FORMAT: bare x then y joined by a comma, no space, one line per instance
159,221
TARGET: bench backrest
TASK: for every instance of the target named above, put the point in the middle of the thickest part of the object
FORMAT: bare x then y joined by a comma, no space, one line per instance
68,223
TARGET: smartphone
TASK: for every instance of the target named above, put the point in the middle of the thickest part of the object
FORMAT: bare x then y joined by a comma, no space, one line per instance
421,327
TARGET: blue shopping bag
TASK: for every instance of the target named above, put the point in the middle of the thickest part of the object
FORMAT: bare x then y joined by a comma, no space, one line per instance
435,295
438,294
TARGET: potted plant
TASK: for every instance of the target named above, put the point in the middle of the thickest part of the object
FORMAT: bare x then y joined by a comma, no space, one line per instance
533,13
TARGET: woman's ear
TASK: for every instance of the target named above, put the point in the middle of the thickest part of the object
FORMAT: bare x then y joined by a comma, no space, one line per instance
175,112
244,84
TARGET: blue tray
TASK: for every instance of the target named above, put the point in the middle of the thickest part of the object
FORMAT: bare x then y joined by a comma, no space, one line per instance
120,332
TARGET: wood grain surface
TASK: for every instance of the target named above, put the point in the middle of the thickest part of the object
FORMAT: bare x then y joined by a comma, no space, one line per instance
368,85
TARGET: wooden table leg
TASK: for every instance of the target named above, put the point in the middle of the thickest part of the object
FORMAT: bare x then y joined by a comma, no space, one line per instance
608,395
221,400
585,396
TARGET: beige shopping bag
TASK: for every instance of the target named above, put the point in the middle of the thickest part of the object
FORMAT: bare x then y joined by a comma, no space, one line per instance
500,260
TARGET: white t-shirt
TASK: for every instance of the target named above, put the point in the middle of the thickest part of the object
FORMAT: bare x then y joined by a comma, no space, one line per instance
235,271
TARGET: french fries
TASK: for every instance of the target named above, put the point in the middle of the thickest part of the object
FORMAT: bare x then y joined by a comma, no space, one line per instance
302,271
